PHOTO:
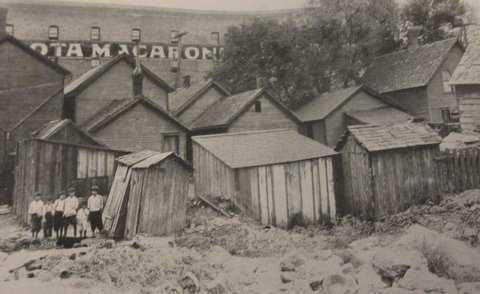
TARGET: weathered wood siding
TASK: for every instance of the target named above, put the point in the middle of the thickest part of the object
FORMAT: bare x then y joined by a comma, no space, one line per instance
271,117
49,167
458,170
469,96
112,85
387,182
141,128
201,104
158,199
288,194
212,176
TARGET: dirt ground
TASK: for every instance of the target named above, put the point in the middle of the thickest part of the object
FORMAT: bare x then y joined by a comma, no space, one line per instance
427,249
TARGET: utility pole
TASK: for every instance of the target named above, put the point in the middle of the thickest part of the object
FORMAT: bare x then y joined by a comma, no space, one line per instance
178,74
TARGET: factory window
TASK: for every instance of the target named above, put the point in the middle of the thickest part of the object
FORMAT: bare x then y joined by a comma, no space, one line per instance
186,81
174,36
9,29
258,106
95,34
216,38
53,33
136,35
446,79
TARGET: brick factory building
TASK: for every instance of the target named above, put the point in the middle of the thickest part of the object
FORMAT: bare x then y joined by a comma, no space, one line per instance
82,36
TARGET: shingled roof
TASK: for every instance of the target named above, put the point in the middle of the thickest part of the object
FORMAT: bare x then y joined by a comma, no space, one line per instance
182,98
257,148
53,128
92,75
468,70
380,116
387,137
406,69
222,113
117,107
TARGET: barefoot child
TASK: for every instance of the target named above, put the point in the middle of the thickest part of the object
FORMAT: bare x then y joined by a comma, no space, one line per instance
82,220
48,212
35,210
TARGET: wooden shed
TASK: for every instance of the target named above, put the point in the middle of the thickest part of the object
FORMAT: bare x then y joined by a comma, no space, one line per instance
148,195
388,168
278,177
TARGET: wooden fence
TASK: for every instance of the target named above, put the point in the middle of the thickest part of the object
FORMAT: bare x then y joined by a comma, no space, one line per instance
458,170
49,167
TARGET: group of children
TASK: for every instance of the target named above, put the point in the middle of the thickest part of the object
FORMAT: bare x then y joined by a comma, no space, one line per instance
66,211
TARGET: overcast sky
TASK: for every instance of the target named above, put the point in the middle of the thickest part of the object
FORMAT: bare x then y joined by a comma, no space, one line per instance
209,4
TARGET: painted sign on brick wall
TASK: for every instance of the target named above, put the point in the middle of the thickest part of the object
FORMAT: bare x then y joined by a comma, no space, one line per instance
75,49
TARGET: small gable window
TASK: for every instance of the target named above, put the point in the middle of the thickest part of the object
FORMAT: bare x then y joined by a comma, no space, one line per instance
446,79
9,29
95,34
258,106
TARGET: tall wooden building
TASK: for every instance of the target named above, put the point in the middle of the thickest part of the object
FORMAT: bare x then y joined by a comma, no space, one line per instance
418,79
388,168
278,177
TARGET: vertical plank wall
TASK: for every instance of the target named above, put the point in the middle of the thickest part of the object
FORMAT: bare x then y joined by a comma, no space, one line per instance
287,194
212,176
48,168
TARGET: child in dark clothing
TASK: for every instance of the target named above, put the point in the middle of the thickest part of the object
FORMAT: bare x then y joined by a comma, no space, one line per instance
48,215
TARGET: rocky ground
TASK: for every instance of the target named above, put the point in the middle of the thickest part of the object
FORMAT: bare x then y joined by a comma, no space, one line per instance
427,249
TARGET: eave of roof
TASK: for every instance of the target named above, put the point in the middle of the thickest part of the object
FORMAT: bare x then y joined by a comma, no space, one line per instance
190,100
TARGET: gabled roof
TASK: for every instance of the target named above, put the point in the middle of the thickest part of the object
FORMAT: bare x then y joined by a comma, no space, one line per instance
468,70
118,107
380,116
406,69
92,75
387,137
147,158
257,148
16,104
182,98
35,54
50,129
225,111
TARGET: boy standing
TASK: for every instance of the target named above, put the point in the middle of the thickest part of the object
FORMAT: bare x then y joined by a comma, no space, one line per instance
82,218
70,212
95,206
35,210
48,211
59,206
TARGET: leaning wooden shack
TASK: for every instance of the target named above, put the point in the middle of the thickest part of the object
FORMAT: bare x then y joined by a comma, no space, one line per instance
388,168
148,195
278,177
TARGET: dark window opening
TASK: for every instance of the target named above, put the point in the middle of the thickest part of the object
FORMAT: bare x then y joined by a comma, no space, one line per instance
186,81
258,106
309,130
446,115
136,35
216,38
95,34
9,29
53,33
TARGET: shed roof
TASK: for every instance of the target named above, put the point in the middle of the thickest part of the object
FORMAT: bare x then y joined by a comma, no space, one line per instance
223,112
387,137
406,69
148,158
117,107
257,148
51,128
380,116
92,75
56,67
182,98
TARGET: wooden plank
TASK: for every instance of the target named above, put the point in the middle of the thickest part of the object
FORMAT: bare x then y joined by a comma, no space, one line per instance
316,191
92,164
262,200
101,158
322,167
308,196
133,206
280,196
331,191
270,196
82,170
294,200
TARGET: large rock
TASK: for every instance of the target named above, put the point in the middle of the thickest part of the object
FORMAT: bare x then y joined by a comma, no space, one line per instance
461,262
428,282
393,263
368,280
339,284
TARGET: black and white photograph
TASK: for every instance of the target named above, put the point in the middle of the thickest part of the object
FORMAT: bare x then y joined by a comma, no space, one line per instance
239,147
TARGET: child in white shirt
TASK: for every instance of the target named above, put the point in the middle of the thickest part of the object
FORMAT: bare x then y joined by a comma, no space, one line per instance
82,220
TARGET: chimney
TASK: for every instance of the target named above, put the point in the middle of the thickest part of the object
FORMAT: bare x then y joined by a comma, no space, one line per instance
3,20
413,35
137,78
